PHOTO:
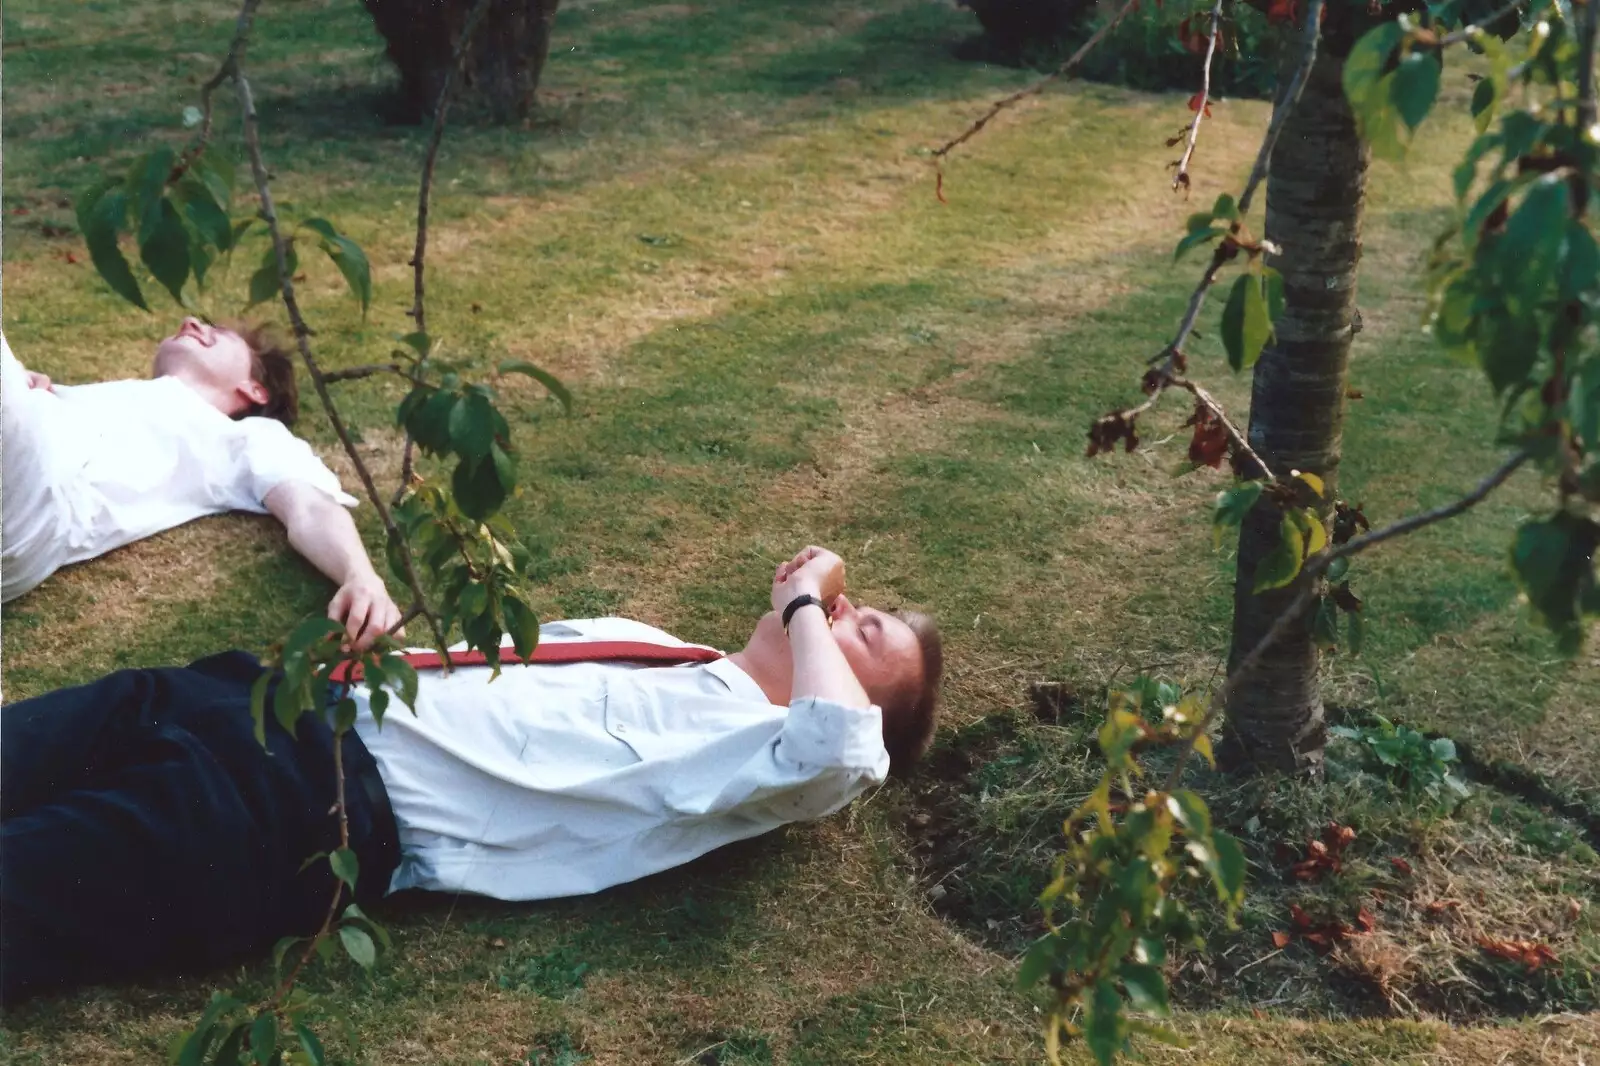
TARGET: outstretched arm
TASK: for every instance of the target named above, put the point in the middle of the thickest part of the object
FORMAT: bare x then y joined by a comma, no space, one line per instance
325,534
820,668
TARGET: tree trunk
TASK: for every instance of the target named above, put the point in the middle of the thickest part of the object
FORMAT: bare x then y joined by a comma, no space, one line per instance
503,65
1315,194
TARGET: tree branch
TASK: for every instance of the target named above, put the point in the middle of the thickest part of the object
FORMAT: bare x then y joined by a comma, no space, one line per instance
1586,55
1315,567
230,64
419,311
302,333
1035,89
1182,176
1466,33
355,373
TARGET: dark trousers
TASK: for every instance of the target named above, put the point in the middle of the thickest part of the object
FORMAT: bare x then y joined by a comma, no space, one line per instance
144,829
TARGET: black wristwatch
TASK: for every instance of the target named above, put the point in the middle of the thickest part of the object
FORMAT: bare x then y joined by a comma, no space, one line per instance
798,602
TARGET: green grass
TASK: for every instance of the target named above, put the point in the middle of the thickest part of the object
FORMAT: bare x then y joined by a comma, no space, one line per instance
720,230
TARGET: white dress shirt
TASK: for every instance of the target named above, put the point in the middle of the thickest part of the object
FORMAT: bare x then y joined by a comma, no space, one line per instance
560,780
89,468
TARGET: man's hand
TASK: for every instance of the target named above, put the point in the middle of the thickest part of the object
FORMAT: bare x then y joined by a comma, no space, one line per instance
363,605
37,380
814,571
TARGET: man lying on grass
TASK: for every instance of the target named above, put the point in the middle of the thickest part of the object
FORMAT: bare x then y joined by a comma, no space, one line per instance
90,468
145,828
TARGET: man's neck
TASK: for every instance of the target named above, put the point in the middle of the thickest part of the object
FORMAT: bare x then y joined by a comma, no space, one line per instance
206,392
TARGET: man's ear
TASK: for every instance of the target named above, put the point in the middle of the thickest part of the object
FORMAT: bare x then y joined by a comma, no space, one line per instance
253,392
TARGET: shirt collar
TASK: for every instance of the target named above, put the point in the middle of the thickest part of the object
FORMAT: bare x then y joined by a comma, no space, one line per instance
739,683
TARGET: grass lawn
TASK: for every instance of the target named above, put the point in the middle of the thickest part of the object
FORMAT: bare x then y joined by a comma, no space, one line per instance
721,232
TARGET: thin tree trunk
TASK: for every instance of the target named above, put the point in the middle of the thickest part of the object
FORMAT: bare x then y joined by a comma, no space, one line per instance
1315,196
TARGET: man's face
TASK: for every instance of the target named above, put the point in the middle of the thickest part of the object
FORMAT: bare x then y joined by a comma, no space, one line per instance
882,650
208,355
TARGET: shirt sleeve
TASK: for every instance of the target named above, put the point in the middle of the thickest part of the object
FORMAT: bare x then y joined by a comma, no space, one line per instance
826,755
271,455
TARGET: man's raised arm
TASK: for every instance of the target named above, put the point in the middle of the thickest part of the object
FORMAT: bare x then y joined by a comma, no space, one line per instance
820,668
325,534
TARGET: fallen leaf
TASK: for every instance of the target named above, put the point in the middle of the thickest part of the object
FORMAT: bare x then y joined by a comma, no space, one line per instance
1574,908
1280,939
1439,906
1365,920
1299,917
1529,953
1400,865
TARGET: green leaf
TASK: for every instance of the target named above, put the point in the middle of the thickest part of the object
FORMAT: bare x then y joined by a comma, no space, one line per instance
358,945
505,468
1580,267
1245,324
356,914
164,247
1529,253
1191,812
344,716
543,377
1040,957
1147,989
404,679
1325,625
472,427
1104,1031
282,948
1232,505
1444,749
1338,568
1554,563
216,173
1230,868
264,283
430,421
345,866
418,342
258,705
148,181
348,257
1195,239
264,1038
1416,86
311,1045
1282,564
200,206
232,1046
378,703
101,221
1483,99
1508,349
523,625
1365,65
477,489
1225,207
1277,302
1356,630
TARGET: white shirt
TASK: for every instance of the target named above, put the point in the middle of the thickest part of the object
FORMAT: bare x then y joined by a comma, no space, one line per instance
562,780
115,462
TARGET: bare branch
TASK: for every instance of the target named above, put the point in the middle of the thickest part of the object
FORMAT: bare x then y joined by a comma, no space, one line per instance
1586,54
1063,71
1285,104
1182,176
1316,566
230,63
355,373
419,257
302,333
1466,33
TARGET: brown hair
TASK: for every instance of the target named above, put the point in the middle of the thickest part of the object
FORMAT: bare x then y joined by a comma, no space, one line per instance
910,718
272,364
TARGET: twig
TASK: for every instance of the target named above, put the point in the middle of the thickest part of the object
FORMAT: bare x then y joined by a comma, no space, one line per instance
419,312
1466,33
357,372
338,885
1286,104
302,333
1586,54
230,64
1033,90
1313,568
1182,176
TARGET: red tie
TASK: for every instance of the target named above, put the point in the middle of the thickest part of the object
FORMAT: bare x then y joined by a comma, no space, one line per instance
565,651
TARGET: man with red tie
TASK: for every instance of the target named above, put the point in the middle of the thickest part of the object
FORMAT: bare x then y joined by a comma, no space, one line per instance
143,827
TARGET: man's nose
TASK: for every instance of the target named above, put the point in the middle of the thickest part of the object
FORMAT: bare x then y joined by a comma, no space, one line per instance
841,607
